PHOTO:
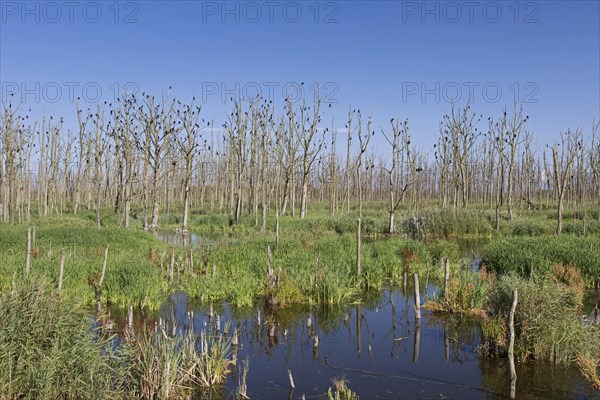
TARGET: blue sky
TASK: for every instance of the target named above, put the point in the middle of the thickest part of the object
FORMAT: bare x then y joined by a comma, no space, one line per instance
388,58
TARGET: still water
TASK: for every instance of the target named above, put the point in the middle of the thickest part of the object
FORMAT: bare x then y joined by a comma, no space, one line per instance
377,346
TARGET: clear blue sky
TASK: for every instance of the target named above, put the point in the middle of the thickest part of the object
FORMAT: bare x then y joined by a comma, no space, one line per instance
377,56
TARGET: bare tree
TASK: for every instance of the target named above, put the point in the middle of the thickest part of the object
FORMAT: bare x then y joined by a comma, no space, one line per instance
460,127
563,155
309,146
363,145
159,128
188,146
148,155
351,131
397,182
443,157
594,160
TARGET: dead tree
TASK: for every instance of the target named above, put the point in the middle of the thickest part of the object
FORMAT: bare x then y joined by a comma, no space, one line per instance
188,146
363,145
594,160
159,128
460,128
310,147
397,182
288,145
443,158
515,128
351,131
563,155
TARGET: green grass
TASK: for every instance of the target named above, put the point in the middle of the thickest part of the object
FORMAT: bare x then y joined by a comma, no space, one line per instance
130,279
49,349
315,261
547,321
519,255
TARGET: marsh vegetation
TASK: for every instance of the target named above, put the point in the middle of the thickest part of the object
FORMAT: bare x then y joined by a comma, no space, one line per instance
144,255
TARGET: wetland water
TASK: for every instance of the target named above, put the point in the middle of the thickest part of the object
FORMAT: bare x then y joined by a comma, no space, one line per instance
376,346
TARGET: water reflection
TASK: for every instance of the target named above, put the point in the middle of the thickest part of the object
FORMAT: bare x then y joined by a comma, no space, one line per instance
180,239
377,345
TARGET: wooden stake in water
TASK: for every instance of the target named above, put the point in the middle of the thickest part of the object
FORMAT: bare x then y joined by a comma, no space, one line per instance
61,274
511,345
417,341
28,256
417,298
291,378
234,338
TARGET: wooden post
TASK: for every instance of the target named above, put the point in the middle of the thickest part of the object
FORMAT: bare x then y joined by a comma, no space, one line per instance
531,270
358,328
277,230
61,274
103,267
271,277
358,251
446,278
446,344
172,266
28,256
417,298
130,318
598,299
191,322
234,338
291,378
511,345
417,341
